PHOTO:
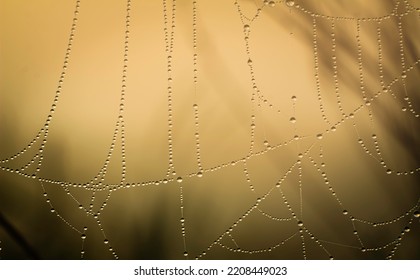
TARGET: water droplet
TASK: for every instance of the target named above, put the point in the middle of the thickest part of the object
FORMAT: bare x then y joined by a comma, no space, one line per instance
200,174
272,3
292,119
246,28
294,98
319,136
290,3
106,241
406,229
300,223
265,143
345,212
389,171
182,220
179,179
52,210
417,214
83,236
185,254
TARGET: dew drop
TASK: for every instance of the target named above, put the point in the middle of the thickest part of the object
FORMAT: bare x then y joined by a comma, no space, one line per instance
292,120
345,212
406,229
294,98
319,136
389,171
200,174
300,223
417,214
290,3
185,254
106,241
272,3
83,236
246,28
179,179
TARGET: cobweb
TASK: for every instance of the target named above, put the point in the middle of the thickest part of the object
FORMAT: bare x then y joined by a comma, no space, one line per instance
213,129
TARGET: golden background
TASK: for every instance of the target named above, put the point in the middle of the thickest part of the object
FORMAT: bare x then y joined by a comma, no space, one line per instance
144,222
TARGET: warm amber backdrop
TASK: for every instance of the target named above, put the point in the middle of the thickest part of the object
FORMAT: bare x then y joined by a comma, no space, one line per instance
144,222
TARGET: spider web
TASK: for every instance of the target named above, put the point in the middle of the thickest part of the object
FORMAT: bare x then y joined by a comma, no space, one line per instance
248,129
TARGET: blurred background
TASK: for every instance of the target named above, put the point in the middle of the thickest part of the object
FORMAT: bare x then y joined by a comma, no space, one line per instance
143,222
